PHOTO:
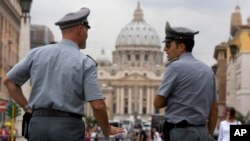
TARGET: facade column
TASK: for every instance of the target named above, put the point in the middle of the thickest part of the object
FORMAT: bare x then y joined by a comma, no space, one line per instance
148,101
129,100
24,47
140,100
24,38
117,100
142,59
122,101
152,98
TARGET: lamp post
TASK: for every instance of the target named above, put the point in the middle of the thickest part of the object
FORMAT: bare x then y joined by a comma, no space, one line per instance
24,37
25,6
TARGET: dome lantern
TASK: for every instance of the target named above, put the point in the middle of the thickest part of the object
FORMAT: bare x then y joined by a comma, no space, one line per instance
138,14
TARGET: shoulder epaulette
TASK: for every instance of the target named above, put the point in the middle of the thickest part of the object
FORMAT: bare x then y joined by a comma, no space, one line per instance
93,60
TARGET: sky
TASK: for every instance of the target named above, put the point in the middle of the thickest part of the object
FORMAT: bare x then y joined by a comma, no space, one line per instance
108,17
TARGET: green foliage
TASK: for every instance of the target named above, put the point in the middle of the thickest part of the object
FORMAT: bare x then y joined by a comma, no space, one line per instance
90,121
16,108
244,119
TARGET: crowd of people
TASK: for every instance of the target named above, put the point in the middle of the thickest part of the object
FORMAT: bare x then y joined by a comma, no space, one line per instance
4,133
136,133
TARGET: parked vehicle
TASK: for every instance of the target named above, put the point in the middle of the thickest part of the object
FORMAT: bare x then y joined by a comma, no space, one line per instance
127,124
157,120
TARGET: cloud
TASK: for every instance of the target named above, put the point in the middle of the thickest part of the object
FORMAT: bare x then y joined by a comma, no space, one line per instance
108,17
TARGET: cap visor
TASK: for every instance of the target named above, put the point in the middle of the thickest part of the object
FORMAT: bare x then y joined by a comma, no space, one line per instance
166,40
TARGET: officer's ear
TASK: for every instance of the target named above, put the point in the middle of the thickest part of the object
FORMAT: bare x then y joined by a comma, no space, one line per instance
79,29
181,47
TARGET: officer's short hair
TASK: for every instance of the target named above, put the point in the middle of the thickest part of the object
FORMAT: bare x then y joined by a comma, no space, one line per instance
189,44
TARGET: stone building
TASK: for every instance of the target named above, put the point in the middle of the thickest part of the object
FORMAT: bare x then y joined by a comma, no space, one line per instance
10,12
40,35
130,81
238,79
235,55
220,54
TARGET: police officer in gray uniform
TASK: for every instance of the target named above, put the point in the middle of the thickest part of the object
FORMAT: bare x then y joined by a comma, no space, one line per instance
62,78
187,90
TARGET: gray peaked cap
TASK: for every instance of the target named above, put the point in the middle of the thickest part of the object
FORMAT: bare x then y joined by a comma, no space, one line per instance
178,33
74,18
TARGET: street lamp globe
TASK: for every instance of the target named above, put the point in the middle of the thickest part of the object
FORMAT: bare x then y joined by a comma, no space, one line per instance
25,5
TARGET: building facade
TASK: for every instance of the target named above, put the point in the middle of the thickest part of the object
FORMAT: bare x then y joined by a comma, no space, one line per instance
130,81
236,55
238,80
220,54
40,35
10,12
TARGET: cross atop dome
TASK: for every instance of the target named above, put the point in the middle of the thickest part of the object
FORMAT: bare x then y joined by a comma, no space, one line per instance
237,9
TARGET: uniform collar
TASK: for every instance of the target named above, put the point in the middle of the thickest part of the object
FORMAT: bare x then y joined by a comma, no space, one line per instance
186,54
69,43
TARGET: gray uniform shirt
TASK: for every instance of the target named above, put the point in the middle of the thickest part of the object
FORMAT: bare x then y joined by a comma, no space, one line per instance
60,75
189,86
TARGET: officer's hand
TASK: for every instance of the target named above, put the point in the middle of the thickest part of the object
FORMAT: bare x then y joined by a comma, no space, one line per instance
27,109
211,138
115,130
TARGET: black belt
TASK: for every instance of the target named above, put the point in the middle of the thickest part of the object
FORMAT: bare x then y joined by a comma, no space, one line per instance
169,126
53,113
183,124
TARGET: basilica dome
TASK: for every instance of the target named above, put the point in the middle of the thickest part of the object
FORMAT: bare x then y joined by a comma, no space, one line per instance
103,60
138,33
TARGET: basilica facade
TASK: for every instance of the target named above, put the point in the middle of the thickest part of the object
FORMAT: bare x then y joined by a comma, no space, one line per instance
130,81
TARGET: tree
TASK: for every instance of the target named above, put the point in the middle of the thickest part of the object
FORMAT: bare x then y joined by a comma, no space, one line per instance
16,108
244,119
90,121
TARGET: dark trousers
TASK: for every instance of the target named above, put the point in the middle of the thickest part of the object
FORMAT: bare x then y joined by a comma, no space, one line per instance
43,128
184,131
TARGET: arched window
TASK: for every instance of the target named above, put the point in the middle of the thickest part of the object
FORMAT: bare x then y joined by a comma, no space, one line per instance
144,110
114,108
137,57
146,57
128,57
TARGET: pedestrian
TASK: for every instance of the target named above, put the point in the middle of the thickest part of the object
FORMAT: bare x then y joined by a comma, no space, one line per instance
62,78
133,135
4,133
148,134
88,133
187,90
142,134
224,128
156,135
